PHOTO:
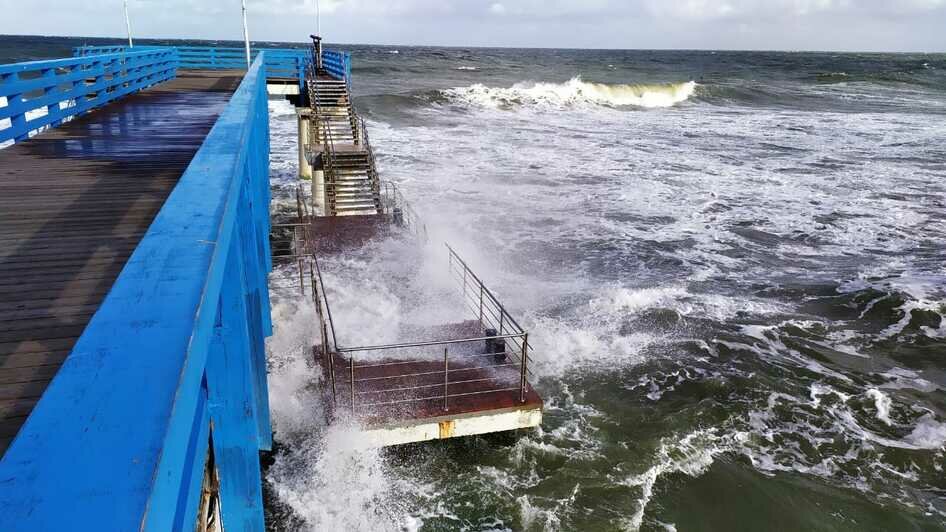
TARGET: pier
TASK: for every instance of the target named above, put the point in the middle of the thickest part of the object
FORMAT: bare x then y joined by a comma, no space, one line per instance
458,379
133,297
134,288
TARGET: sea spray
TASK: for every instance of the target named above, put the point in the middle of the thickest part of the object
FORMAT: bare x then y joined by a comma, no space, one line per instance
751,255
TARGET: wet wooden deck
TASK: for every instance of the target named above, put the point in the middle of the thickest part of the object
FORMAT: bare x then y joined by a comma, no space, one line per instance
335,234
74,203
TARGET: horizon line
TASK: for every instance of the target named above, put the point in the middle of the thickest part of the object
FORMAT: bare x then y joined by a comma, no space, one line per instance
494,47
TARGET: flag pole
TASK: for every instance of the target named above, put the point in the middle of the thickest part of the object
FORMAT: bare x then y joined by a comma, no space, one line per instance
246,36
131,44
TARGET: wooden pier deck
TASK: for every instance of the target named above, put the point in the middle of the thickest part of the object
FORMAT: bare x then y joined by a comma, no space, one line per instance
74,203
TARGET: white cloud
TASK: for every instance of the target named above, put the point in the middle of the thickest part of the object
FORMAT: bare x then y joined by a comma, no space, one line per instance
771,24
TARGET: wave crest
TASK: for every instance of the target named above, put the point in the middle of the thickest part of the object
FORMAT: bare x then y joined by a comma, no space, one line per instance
573,92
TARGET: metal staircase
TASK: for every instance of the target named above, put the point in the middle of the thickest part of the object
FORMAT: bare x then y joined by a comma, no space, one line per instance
352,186
331,103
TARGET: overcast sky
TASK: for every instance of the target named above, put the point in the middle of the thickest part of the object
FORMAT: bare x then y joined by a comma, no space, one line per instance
867,25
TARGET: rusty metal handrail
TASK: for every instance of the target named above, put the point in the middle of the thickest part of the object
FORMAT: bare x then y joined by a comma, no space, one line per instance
394,205
491,316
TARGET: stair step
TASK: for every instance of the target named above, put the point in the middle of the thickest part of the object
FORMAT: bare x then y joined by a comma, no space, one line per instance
344,208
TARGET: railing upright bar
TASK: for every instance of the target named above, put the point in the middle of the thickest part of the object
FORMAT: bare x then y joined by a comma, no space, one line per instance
331,364
522,377
481,305
351,367
446,379
315,289
301,278
328,309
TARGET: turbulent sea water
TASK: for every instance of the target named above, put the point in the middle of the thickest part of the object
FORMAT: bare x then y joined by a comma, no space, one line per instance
731,265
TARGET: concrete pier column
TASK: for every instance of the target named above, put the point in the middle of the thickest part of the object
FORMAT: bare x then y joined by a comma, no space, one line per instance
305,169
318,191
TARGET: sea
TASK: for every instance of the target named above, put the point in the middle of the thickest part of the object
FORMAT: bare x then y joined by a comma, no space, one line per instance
732,268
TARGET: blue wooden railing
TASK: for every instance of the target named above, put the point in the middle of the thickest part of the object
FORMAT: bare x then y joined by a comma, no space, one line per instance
338,64
172,362
44,93
280,62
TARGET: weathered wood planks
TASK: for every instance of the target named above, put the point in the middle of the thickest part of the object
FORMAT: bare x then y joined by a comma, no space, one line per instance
74,203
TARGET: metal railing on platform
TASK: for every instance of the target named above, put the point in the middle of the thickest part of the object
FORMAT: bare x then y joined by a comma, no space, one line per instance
490,313
402,214
487,370
40,94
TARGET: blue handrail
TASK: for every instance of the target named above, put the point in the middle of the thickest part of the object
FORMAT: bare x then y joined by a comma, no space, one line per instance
280,62
338,64
172,362
39,94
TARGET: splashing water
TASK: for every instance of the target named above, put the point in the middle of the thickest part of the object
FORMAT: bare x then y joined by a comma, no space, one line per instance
574,92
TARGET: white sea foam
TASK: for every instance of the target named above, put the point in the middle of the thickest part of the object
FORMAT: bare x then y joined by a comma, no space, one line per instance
556,224
882,403
572,92
324,475
928,434
692,455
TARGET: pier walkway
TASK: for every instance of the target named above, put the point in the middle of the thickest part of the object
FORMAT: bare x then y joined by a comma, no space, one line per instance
134,305
75,202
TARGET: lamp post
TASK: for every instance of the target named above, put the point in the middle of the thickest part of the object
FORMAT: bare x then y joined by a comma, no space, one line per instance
246,36
128,25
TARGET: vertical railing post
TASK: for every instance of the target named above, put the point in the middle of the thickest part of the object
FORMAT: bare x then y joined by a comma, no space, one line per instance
52,109
331,363
100,80
481,305
446,379
315,289
351,367
522,378
301,278
17,121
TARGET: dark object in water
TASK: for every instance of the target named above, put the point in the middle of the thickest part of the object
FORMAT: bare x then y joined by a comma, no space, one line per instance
496,346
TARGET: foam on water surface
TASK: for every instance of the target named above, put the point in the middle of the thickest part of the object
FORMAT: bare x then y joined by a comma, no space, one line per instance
713,283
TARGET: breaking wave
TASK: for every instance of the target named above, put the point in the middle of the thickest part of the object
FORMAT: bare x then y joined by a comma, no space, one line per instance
573,92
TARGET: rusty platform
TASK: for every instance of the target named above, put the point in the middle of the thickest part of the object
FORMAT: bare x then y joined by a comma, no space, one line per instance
335,234
392,390
74,203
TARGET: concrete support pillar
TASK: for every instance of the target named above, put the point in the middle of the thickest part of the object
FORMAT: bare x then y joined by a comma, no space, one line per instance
305,169
318,191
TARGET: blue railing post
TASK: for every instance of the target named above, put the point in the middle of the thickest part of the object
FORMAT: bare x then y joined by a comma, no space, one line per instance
17,121
232,409
348,70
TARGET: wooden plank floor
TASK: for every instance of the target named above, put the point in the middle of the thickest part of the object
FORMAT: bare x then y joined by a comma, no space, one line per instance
74,203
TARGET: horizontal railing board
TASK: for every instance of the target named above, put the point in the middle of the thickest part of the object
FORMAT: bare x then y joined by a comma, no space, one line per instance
279,62
64,88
